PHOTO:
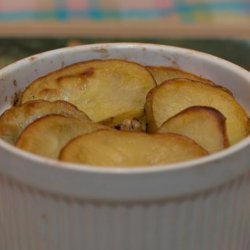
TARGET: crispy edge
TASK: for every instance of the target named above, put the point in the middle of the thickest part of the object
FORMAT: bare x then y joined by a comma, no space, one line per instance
220,118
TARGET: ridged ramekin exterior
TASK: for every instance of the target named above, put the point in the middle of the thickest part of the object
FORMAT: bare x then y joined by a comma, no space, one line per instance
216,219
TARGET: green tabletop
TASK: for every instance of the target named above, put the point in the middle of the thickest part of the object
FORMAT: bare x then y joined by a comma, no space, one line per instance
236,51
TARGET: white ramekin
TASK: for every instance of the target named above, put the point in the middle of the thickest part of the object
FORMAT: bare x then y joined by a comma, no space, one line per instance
197,205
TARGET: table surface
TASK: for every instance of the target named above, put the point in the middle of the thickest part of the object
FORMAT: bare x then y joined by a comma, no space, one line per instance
236,51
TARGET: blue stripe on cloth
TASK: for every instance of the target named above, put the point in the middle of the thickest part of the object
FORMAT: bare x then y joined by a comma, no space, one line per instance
94,14
214,7
62,14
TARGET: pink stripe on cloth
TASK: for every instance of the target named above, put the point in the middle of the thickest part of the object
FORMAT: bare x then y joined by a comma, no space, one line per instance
15,5
76,4
164,3
145,5
45,5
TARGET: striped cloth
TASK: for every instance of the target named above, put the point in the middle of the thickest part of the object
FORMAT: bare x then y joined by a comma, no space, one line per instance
188,11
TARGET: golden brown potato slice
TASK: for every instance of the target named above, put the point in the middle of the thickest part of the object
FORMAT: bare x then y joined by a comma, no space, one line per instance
102,89
173,96
15,119
47,135
204,125
120,148
161,74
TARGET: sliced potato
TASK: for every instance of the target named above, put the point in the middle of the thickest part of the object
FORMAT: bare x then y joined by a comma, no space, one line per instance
120,148
102,89
47,135
161,74
204,125
15,119
173,96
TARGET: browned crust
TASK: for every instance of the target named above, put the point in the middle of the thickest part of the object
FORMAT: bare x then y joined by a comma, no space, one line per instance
37,121
34,103
20,99
150,95
220,118
123,133
198,82
164,68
